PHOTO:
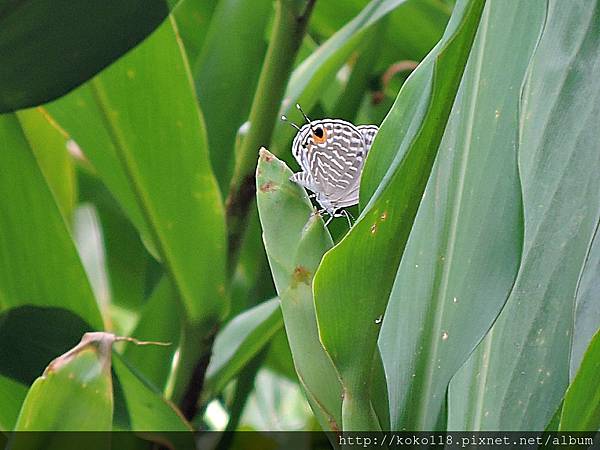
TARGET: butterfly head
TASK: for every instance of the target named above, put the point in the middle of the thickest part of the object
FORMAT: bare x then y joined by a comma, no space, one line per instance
313,132
318,133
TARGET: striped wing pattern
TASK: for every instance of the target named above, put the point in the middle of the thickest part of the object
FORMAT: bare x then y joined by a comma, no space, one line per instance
331,153
369,132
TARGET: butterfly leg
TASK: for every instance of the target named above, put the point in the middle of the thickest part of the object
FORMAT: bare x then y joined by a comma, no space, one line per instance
322,212
347,215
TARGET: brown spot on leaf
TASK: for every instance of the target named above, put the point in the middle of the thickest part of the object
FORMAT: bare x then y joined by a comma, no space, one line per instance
374,228
265,155
383,216
269,186
333,424
301,275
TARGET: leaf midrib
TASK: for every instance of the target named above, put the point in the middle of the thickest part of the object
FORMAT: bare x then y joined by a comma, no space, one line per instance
122,151
439,294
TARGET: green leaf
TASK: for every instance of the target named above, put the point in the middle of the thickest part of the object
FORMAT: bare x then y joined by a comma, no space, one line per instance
12,395
295,241
413,31
239,342
517,376
89,240
225,81
75,391
581,408
348,102
378,238
193,18
150,150
415,27
49,147
29,341
587,312
317,71
466,241
407,105
327,17
251,281
555,420
81,117
34,238
127,260
49,48
158,322
245,385
147,411
279,359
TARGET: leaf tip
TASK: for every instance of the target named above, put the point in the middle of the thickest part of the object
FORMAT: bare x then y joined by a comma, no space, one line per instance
265,155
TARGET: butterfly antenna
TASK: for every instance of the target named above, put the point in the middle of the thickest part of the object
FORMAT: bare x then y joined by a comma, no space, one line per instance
305,117
285,119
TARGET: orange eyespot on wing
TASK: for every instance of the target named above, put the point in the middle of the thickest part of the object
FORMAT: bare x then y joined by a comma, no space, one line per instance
319,135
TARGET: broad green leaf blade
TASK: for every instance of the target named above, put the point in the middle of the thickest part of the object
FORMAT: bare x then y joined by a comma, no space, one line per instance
50,150
29,341
251,281
34,239
127,260
239,342
279,359
147,410
150,149
317,71
328,17
90,245
464,250
81,117
295,240
159,322
75,391
581,407
555,420
12,395
320,67
225,81
414,29
516,378
49,48
587,304
349,99
193,19
407,106
354,280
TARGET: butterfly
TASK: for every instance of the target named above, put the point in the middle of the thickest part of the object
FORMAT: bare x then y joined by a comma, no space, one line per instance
331,154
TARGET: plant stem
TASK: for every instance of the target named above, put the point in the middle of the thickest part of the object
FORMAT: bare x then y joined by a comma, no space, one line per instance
194,355
291,17
243,389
